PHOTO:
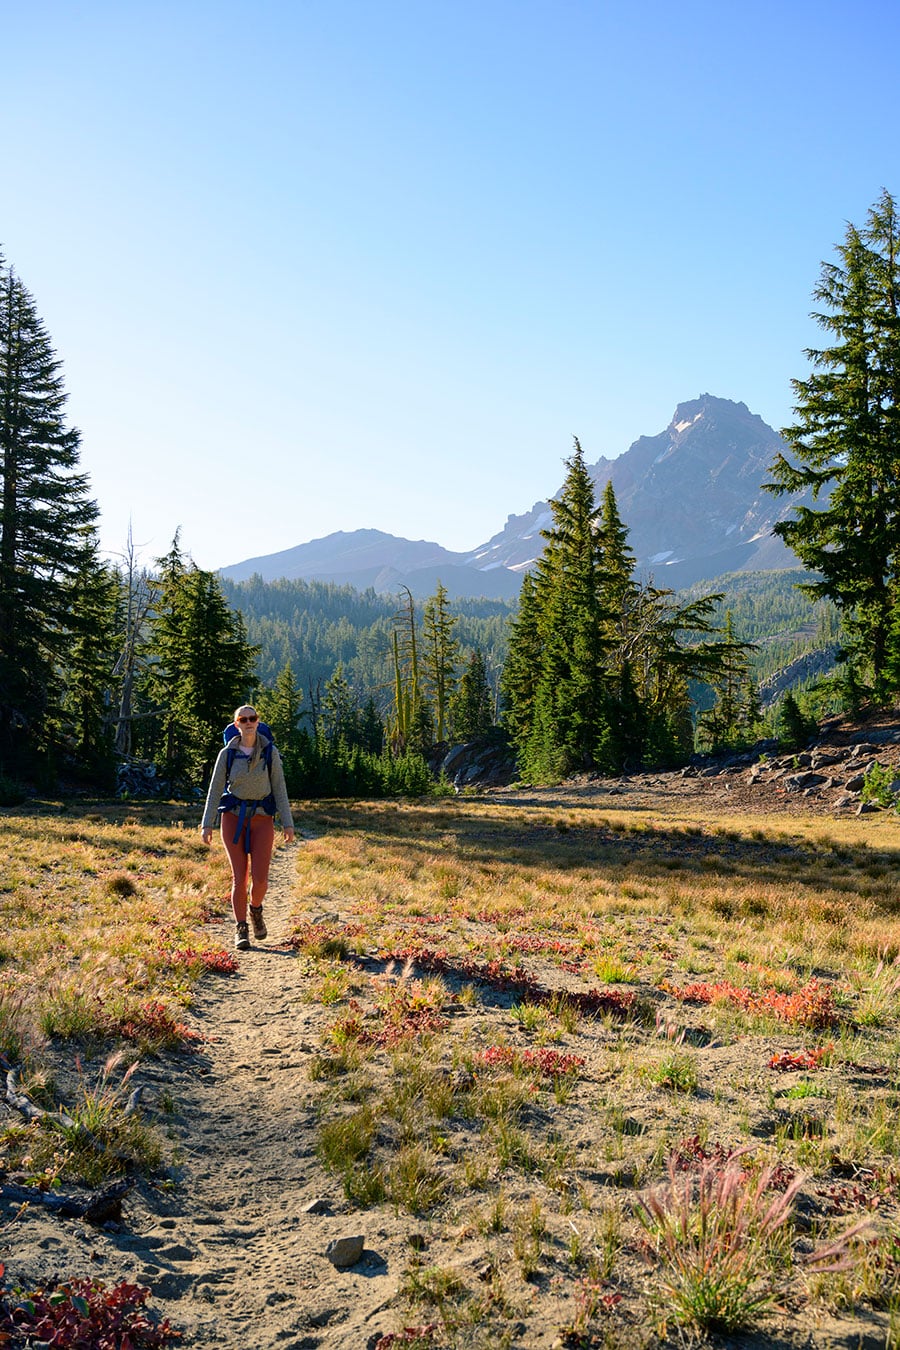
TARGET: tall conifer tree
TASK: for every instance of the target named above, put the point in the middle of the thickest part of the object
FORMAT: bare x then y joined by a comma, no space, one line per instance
473,703
521,671
47,524
204,665
598,667
569,708
846,440
439,656
281,707
90,694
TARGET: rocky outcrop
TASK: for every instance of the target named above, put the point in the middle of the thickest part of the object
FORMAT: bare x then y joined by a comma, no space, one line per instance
484,763
833,770
810,666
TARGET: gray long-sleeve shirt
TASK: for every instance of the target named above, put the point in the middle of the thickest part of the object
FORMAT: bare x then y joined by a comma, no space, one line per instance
248,786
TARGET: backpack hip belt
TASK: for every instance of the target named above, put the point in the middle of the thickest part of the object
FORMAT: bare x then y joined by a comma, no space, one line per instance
246,810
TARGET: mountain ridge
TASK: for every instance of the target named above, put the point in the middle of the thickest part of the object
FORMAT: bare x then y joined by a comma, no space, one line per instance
691,497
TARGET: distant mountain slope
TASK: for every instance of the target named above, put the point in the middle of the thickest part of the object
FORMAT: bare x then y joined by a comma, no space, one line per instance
691,497
364,558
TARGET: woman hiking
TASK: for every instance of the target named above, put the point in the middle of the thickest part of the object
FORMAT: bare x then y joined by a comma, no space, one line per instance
247,787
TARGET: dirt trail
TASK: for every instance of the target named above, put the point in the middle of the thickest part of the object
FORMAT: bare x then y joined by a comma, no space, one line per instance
229,1255
248,1266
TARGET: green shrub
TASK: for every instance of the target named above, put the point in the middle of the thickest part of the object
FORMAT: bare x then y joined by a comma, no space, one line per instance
877,786
12,793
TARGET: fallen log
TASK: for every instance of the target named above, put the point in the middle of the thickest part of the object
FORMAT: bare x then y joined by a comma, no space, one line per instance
59,1119
96,1207
28,1108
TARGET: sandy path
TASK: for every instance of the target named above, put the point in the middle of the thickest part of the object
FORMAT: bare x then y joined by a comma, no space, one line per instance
242,1264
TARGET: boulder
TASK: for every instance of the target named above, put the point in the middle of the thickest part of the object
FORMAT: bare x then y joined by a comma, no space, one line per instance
346,1251
487,762
881,735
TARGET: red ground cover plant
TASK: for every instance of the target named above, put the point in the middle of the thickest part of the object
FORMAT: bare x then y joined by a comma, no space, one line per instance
549,1063
787,1062
423,1335
591,1299
886,1255
84,1315
512,979
404,1015
438,961
812,1006
846,1198
690,1156
497,916
215,959
619,1002
153,1022
531,943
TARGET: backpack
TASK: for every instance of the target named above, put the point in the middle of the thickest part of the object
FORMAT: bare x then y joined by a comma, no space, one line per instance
231,731
230,802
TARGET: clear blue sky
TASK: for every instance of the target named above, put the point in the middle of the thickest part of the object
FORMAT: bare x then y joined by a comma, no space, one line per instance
335,264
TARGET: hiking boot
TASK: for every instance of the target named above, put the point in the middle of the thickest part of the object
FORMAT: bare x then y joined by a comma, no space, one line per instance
260,930
241,937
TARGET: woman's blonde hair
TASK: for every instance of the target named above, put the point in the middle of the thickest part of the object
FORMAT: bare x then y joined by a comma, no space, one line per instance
257,747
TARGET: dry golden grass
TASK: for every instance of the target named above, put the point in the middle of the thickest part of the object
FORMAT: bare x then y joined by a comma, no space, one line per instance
625,996
551,1040
99,948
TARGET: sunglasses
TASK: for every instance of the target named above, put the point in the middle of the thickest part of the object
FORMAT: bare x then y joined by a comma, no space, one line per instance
254,718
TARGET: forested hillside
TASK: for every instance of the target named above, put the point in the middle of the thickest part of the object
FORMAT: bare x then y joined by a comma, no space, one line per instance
768,610
314,626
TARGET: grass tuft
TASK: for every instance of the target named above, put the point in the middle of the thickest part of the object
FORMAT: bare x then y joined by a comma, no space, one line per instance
722,1239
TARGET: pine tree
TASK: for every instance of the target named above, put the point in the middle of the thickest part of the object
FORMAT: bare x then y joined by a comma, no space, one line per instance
439,657
617,561
570,707
734,717
599,666
280,707
793,726
472,708
622,740
340,720
371,729
47,526
845,441
88,709
204,665
522,668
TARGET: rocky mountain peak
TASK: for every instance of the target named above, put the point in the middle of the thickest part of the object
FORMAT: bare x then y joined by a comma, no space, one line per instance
691,497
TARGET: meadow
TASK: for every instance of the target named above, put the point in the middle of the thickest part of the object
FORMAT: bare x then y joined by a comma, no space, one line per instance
615,1078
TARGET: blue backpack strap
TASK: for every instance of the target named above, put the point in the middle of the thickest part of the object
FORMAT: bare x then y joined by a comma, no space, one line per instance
245,815
231,735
